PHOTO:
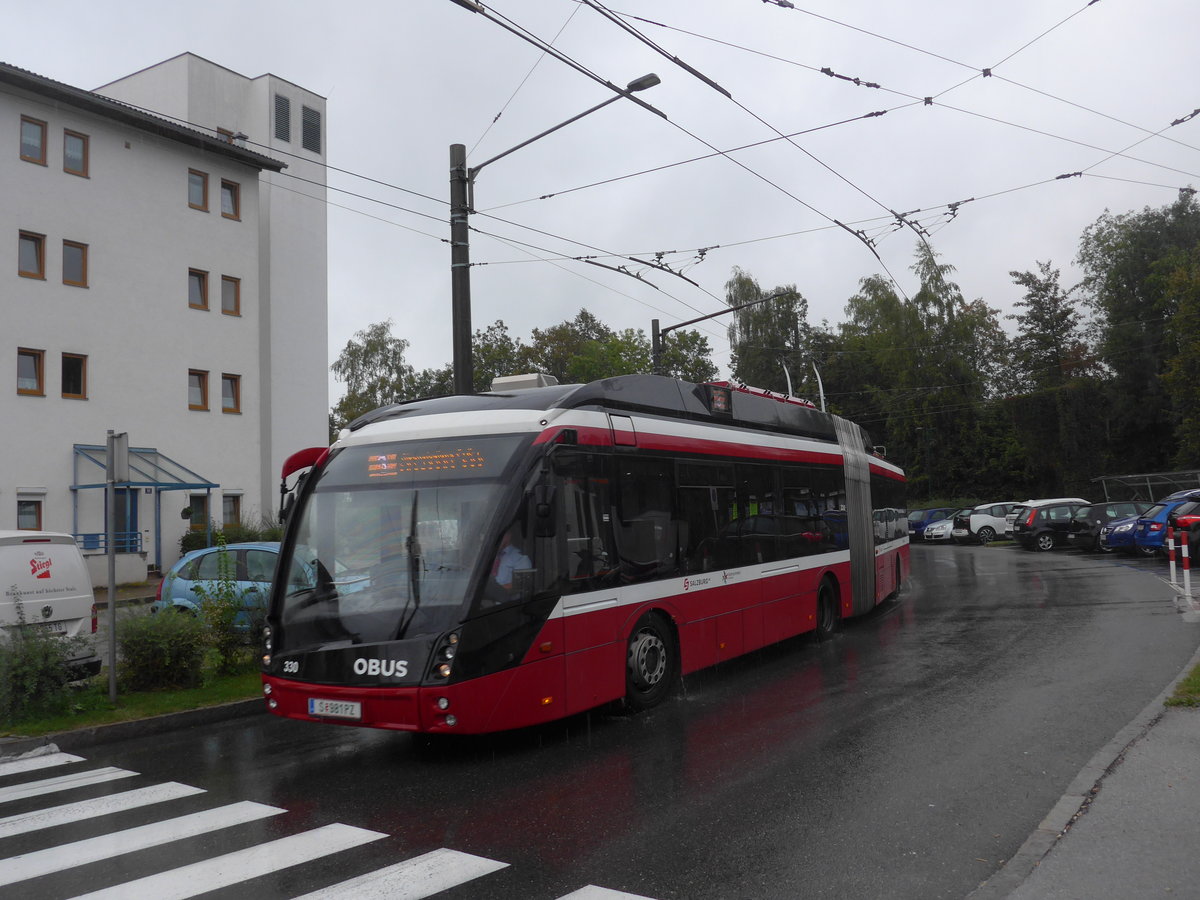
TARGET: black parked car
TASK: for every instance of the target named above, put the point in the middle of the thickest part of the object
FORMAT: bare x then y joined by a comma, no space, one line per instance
1043,524
1084,531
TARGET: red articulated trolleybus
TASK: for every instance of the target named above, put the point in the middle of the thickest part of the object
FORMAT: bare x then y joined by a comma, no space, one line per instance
478,563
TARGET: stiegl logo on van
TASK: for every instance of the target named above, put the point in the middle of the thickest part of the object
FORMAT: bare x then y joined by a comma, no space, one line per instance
388,668
39,566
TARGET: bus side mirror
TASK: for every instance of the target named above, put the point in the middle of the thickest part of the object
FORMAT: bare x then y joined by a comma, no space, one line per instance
544,524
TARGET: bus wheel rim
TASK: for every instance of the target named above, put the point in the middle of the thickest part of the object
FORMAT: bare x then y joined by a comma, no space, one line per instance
647,659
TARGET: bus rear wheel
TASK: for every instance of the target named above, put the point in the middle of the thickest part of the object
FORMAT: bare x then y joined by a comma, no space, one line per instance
827,617
652,663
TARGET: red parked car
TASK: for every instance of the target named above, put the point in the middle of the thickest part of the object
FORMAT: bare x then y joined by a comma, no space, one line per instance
1187,518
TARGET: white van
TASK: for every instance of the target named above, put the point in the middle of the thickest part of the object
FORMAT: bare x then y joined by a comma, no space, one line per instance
43,573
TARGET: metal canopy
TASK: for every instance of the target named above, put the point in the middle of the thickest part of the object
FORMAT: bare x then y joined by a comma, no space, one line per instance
1149,486
147,468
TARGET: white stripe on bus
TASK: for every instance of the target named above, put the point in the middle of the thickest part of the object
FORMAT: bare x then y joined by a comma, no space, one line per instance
416,878
240,865
99,806
61,783
32,763
673,588
118,843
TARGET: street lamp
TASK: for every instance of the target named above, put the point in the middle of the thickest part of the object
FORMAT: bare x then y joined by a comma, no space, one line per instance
462,202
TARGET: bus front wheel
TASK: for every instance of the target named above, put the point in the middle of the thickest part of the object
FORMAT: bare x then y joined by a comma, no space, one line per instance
827,614
652,663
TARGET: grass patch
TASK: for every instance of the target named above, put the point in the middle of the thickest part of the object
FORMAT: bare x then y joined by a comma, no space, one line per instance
1187,692
90,705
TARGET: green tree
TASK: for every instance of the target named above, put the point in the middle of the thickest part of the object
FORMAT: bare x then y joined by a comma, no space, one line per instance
1048,348
1128,261
552,350
687,355
496,353
1182,376
768,336
620,353
375,372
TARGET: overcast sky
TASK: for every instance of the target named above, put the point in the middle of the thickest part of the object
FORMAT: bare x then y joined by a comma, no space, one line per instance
1073,86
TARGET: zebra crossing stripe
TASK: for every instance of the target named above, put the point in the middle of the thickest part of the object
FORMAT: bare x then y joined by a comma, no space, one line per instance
236,867
61,783
591,892
106,846
32,763
100,806
416,878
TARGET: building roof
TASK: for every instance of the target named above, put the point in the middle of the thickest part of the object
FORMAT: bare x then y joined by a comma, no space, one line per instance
133,116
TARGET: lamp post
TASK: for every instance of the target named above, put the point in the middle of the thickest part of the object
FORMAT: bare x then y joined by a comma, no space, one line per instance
462,202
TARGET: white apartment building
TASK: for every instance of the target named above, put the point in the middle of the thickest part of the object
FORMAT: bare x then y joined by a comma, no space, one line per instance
164,276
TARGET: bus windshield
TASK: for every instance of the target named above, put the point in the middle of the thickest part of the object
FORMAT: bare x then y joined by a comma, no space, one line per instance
387,541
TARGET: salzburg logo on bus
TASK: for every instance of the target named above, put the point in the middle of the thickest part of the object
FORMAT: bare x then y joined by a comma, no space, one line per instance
388,668
39,566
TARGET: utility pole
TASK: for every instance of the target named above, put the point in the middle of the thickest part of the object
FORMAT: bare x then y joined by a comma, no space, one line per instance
460,270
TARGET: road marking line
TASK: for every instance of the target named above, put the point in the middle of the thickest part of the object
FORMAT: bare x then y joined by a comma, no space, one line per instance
31,763
100,806
591,892
416,878
62,783
239,866
106,846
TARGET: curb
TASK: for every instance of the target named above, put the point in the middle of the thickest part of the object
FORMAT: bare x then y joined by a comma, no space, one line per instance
1078,797
82,738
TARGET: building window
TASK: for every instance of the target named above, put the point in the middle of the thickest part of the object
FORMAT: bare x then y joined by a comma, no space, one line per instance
75,269
197,389
33,140
231,295
31,255
231,393
310,129
197,289
29,515
75,153
198,503
231,204
231,510
74,376
283,118
197,190
30,371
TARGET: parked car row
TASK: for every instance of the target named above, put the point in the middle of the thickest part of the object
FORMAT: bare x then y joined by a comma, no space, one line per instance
980,524
1133,526
1146,533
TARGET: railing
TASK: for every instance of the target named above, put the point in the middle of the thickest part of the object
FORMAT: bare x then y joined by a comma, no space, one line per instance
123,541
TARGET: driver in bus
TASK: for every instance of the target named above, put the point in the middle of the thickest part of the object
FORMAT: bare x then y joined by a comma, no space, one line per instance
508,558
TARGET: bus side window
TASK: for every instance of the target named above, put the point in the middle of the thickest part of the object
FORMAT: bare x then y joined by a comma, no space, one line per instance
584,554
705,501
646,530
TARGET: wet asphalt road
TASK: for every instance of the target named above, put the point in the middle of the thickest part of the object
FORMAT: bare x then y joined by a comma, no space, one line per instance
907,758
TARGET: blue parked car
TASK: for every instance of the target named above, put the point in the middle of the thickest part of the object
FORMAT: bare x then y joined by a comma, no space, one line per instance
1118,535
1150,535
252,566
919,519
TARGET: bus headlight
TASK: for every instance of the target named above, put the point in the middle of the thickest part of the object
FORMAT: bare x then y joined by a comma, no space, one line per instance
443,702
443,670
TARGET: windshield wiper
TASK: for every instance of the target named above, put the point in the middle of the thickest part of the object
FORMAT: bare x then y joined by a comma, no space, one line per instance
413,544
